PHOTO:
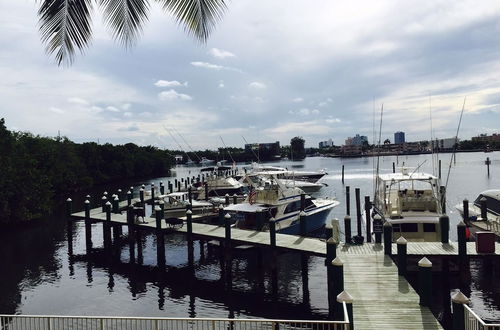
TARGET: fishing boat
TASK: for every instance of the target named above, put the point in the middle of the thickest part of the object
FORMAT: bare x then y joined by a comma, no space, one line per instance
483,221
270,198
283,173
411,202
219,186
175,205
206,161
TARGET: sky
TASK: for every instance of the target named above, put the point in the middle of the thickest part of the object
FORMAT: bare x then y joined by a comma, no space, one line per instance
270,71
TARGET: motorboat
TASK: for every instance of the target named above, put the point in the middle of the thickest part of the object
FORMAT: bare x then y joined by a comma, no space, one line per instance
175,205
270,198
283,173
411,202
476,221
219,186
306,186
206,161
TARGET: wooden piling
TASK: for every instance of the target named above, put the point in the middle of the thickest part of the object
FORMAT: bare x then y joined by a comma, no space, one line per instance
303,223
387,238
162,188
69,207
221,215
272,232
106,228
348,200
88,228
331,251
69,225
378,228
393,167
235,199
347,229
458,300
402,255
129,198
484,208
116,205
189,221
227,225
336,288
488,162
141,195
345,297
153,193
444,223
425,281
439,170
104,200
206,191
462,243
358,211
368,207
342,174
226,197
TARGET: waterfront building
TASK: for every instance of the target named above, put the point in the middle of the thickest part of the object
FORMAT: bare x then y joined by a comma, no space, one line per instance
399,137
326,144
265,151
357,140
443,144
487,138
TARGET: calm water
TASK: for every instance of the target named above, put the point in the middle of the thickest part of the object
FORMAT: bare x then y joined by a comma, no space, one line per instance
38,277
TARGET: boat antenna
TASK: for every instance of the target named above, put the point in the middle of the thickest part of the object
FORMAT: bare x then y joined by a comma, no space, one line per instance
432,138
228,151
183,139
422,163
456,143
258,160
178,144
378,151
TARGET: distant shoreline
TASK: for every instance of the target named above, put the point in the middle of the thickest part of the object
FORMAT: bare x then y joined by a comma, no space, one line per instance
372,154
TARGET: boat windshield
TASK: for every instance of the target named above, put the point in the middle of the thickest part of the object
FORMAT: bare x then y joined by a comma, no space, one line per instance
492,204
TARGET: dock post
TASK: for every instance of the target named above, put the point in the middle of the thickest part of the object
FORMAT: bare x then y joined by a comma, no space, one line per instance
129,198
119,194
331,251
170,187
303,223
377,228
186,184
462,243
158,216
387,238
336,286
221,215
302,201
272,232
162,188
259,219
488,162
189,222
69,207
345,297
368,207
104,199
458,318
348,200
152,193
328,231
206,191
484,209
439,170
466,210
141,195
106,232
402,255
176,183
160,240
227,225
116,204
88,198
88,228
227,199
347,229
235,199
358,211
444,223
393,167
342,174
425,281
190,195
442,191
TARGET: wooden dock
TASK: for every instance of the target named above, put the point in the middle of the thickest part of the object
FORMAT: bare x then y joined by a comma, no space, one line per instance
382,298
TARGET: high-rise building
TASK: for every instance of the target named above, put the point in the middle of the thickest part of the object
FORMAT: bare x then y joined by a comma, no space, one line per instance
399,137
326,144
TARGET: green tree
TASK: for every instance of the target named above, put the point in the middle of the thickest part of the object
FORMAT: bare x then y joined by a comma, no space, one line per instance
297,148
66,25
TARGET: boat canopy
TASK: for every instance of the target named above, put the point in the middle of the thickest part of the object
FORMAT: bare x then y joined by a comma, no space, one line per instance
405,176
245,207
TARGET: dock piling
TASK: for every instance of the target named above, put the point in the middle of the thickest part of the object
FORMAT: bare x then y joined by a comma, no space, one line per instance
488,162
272,232
221,215
152,193
303,223
104,200
206,191
69,225
190,195
393,167
129,198
189,221
336,287
106,228
235,199
345,297
425,281
347,229
88,228
368,207
162,188
444,223
69,207
462,243
119,194
226,197
402,255
331,251
458,317
348,200
227,225
466,210
377,228
328,231
484,208
358,211
387,238
141,195
342,174
116,205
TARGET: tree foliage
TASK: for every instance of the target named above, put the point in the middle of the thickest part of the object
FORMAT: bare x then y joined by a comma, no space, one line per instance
35,169
297,148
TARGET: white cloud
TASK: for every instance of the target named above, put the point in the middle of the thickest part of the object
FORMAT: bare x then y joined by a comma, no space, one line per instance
173,95
297,99
304,112
207,65
126,106
219,53
173,83
257,85
78,100
315,112
57,110
112,109
221,84
331,120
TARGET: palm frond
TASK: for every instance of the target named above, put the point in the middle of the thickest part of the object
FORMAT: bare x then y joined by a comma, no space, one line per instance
126,18
64,25
199,17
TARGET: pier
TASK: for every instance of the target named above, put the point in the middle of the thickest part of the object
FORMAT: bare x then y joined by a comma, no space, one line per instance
364,276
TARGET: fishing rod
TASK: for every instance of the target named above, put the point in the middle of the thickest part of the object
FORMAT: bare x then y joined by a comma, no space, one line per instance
378,152
456,143
432,138
178,144
228,151
199,159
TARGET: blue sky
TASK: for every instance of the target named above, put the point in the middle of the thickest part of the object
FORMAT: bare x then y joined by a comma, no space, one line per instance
271,70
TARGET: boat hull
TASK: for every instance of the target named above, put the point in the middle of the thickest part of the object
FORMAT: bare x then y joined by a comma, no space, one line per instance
314,222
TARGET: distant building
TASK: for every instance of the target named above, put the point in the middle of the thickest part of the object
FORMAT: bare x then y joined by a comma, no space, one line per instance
486,138
448,143
357,140
326,144
264,151
178,159
399,138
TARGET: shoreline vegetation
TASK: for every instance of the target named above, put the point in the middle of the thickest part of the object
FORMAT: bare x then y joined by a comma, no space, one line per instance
35,170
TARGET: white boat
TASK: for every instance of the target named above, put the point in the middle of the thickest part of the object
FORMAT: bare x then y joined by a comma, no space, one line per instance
476,221
175,205
273,199
219,186
412,203
206,161
283,173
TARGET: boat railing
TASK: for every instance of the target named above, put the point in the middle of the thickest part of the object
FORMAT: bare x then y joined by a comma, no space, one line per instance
474,322
51,322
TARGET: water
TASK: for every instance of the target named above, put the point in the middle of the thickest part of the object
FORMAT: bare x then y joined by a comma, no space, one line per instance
38,277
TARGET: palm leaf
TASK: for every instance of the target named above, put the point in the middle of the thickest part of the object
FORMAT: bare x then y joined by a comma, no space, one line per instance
199,17
64,25
126,18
